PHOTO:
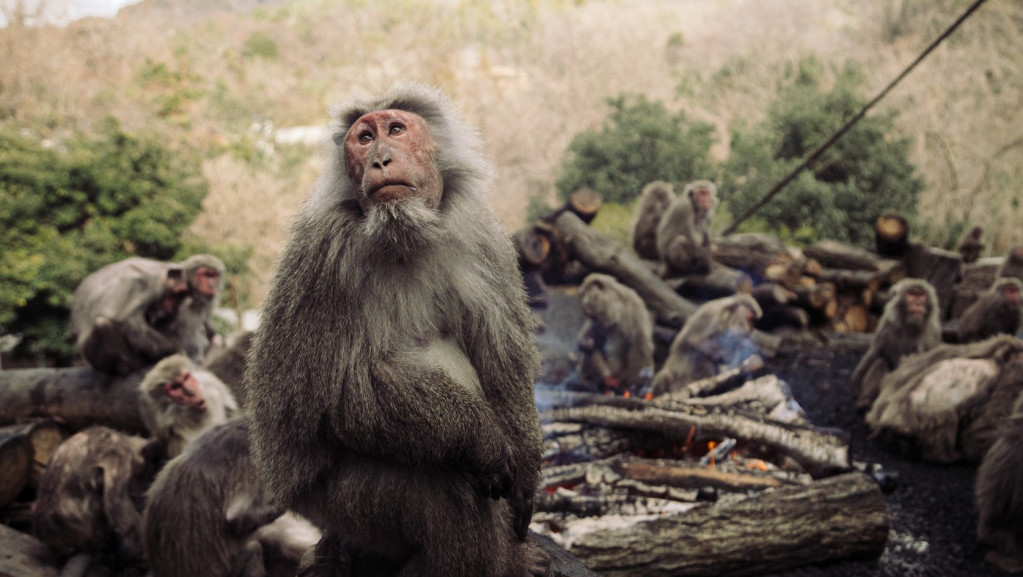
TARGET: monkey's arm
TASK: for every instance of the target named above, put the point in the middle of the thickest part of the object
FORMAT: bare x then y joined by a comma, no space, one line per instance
247,513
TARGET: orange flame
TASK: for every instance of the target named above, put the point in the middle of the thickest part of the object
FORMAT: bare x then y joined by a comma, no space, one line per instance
648,397
710,449
626,394
758,464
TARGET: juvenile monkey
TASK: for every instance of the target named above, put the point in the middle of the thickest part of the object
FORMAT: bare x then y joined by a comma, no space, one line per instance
653,203
971,247
616,340
909,324
683,235
179,400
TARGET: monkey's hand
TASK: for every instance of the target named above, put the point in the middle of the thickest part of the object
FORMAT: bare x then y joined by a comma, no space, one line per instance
494,478
522,511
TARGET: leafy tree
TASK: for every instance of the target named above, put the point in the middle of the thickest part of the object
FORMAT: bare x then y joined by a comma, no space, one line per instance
64,212
639,142
866,173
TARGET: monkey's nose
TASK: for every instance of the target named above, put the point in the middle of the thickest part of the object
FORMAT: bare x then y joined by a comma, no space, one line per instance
382,159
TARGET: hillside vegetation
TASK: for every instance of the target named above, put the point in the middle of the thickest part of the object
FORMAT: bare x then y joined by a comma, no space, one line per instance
222,78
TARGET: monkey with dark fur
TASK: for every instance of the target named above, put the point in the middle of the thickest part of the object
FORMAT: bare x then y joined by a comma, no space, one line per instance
654,201
616,341
970,245
228,364
716,337
999,495
683,235
390,384
1012,266
178,401
206,514
132,313
89,498
998,310
910,324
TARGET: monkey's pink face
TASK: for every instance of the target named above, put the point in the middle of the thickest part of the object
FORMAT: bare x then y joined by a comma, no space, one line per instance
186,390
1012,295
916,302
207,280
392,154
701,198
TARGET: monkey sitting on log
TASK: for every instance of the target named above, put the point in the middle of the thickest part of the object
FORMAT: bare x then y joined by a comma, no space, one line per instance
89,498
998,310
390,384
130,314
654,201
206,514
616,342
910,324
971,247
717,337
179,400
683,235
999,495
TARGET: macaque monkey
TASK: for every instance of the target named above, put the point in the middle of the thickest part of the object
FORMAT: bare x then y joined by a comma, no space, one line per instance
909,325
998,310
654,201
683,235
616,342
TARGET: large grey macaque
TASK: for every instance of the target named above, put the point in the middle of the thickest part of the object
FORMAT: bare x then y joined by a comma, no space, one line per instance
132,313
206,514
998,310
999,495
179,401
718,336
910,324
653,202
683,235
390,384
616,341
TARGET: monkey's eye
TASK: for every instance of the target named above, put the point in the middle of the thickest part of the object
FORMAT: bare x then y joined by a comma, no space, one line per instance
396,129
365,137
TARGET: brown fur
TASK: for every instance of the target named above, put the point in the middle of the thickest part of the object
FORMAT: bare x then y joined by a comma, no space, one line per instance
653,202
130,314
206,514
175,424
895,337
683,235
993,313
87,496
228,364
927,403
616,341
1012,266
391,380
716,337
970,245
999,495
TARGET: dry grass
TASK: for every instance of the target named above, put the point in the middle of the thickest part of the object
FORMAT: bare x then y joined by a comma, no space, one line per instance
530,74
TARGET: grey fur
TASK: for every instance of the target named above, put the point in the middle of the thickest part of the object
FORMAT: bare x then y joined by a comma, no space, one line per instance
992,314
893,339
999,495
653,202
391,455
617,337
683,235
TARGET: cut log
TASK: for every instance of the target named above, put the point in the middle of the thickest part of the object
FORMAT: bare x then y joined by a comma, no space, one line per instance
15,464
76,397
533,246
771,294
585,203
891,235
680,475
44,437
721,281
771,531
783,316
602,254
819,452
749,252
834,254
22,555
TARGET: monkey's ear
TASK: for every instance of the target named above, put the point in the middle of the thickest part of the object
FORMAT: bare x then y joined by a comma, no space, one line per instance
339,138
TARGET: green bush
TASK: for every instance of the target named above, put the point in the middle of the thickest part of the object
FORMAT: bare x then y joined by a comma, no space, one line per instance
260,44
866,173
64,212
639,142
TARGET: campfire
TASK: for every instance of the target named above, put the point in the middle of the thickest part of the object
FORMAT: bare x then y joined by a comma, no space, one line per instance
725,477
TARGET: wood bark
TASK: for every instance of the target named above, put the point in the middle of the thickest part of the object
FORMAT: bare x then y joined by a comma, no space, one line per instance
22,555
819,452
76,397
771,531
15,464
601,254
833,254
694,477
721,281
749,252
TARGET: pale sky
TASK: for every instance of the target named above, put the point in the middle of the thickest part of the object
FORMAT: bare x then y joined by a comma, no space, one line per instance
64,11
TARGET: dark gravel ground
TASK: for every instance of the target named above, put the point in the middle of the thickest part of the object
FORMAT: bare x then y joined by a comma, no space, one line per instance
933,518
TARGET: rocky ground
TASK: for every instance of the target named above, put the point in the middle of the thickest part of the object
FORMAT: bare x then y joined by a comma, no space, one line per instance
933,519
